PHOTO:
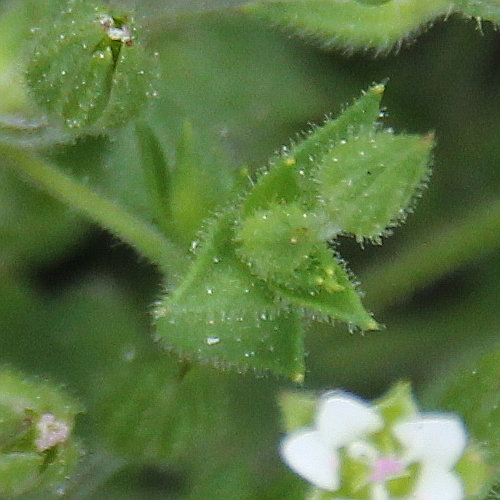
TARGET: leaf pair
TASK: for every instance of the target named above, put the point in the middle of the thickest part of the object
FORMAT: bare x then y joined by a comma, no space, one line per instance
265,263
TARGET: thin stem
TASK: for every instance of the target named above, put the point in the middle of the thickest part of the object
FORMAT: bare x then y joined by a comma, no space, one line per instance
440,253
110,215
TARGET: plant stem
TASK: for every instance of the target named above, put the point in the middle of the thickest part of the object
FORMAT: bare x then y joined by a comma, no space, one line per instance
443,251
150,243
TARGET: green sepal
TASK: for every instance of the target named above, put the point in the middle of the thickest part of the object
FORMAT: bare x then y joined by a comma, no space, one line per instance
351,24
81,75
343,303
289,173
475,471
222,315
367,183
297,409
487,10
396,404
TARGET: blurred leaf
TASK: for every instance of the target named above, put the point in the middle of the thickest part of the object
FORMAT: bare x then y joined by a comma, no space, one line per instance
352,24
200,184
473,391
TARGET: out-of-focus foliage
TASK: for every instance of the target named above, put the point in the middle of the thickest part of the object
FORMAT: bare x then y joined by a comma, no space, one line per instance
74,308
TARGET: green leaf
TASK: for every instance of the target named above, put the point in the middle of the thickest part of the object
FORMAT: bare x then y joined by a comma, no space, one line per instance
487,10
200,183
473,391
284,181
156,172
352,24
367,183
223,315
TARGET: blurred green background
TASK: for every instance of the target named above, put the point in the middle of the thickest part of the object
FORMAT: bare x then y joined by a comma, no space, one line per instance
75,302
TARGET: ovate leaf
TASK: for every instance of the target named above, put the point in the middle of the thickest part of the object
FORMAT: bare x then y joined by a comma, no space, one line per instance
367,183
352,24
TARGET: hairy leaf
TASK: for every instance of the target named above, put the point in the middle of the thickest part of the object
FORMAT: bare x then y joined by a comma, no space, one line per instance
284,181
367,183
222,314
352,24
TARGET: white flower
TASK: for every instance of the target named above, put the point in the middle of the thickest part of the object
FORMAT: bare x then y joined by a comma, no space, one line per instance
345,425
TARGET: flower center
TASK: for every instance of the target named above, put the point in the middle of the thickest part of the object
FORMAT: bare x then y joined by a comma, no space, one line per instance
385,468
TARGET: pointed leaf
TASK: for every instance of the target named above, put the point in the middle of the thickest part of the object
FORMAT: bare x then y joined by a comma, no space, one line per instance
221,314
367,183
286,247
344,304
289,171
352,24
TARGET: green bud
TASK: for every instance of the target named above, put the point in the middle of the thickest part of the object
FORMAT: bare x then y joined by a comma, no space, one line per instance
285,244
87,70
37,450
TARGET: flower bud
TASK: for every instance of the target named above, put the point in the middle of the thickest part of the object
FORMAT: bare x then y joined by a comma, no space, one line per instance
286,245
36,447
87,70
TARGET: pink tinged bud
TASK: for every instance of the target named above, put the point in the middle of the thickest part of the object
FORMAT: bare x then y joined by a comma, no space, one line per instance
50,432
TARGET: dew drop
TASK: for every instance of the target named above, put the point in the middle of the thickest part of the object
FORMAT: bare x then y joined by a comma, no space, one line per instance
249,354
212,340
129,355
210,291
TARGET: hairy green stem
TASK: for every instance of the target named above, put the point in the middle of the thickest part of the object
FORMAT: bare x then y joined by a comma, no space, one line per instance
143,236
438,254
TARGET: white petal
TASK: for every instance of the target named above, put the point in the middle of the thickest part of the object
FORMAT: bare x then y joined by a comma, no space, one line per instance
343,418
306,453
435,484
433,439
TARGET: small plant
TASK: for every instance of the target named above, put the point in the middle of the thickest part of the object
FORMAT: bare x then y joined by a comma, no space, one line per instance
250,258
